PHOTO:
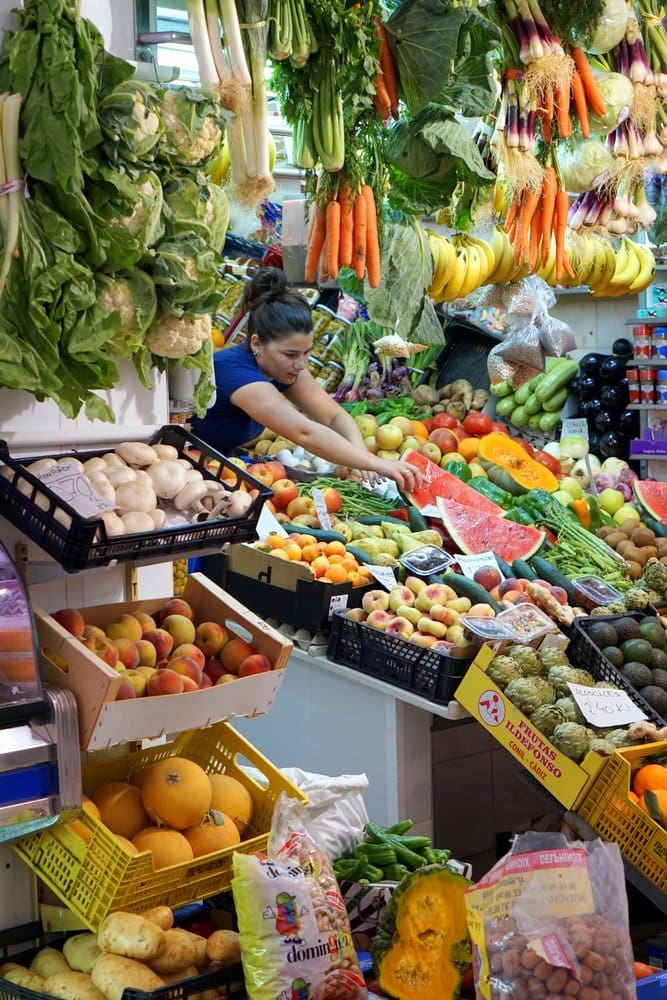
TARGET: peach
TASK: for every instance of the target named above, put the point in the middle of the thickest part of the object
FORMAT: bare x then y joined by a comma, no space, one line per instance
193,652
104,648
234,653
145,620
455,633
180,628
460,604
137,679
146,672
147,653
175,606
423,639
72,620
439,613
375,600
415,584
225,679
214,669
410,612
400,596
431,627
433,593
442,646
161,640
189,684
93,632
128,654
257,663
356,614
125,691
379,619
210,637
205,681
400,627
185,666
124,627
165,682
481,611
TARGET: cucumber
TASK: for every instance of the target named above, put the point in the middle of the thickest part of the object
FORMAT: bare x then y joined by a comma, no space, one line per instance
359,554
416,519
505,406
521,570
501,389
547,571
519,417
379,519
556,402
318,533
465,587
548,421
523,393
504,568
557,378
534,421
533,405
658,529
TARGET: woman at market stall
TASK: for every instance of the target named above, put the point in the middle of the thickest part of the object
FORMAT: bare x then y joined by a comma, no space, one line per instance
264,382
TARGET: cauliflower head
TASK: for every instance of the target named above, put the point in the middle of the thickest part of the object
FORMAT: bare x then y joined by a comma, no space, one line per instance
572,739
502,670
173,336
547,717
130,123
192,121
529,693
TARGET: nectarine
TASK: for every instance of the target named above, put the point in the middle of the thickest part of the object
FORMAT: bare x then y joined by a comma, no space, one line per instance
72,620
234,653
256,663
165,682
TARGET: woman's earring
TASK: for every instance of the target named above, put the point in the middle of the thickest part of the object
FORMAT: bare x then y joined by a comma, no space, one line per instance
255,354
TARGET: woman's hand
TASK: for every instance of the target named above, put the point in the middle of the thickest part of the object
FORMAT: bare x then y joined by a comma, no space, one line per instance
406,477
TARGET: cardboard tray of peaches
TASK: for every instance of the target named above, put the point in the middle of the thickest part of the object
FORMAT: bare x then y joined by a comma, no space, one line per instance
130,665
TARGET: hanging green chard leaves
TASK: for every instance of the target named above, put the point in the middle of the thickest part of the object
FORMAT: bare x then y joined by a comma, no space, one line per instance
472,87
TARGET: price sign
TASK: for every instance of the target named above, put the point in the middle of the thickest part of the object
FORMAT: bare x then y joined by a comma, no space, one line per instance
384,575
574,427
267,524
606,707
337,603
321,511
74,488
470,564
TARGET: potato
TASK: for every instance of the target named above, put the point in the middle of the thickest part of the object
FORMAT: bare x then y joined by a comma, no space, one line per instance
176,977
179,952
48,961
163,916
82,951
72,986
200,948
224,947
131,936
112,974
26,978
6,966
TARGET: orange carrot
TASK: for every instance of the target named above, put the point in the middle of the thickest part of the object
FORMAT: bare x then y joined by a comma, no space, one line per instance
567,267
535,236
513,212
387,67
549,191
315,244
346,219
333,237
530,201
323,275
381,98
547,114
594,98
372,244
562,209
580,103
359,238
562,109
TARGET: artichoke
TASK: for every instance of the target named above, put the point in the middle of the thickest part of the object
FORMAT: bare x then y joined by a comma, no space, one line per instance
502,670
620,738
604,684
636,599
561,676
547,717
655,576
572,739
552,657
603,746
616,608
571,709
528,659
529,693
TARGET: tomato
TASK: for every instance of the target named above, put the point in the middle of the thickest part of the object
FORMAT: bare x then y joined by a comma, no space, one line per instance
477,424
428,423
460,434
498,429
527,447
550,462
445,420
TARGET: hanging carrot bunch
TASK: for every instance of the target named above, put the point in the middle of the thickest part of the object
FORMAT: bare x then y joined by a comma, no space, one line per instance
386,84
343,232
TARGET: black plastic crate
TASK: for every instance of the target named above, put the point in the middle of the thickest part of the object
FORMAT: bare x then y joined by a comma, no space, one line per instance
82,543
415,668
582,652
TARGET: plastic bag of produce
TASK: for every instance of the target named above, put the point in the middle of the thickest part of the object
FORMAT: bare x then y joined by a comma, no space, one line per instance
551,919
296,941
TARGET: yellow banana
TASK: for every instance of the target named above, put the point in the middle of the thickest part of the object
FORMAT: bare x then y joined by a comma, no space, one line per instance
646,268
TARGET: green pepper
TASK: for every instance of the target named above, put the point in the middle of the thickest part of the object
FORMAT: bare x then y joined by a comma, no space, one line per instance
595,512
491,491
519,516
459,469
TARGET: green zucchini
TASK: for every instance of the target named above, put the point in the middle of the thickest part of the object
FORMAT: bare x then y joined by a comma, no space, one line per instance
556,402
521,570
519,417
523,393
359,554
501,389
533,405
534,421
416,519
558,377
378,519
548,421
465,587
657,527
318,533
547,571
504,568
505,406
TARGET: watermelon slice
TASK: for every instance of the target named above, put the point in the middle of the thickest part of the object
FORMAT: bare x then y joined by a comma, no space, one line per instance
653,498
438,483
474,531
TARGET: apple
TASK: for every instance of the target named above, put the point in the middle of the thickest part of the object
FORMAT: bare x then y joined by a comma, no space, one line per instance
257,663
189,649
145,620
389,437
165,682
189,684
423,639
611,500
572,486
72,620
410,612
390,456
400,627
124,627
210,637
261,472
628,512
371,445
104,648
147,653
300,505
431,450
433,593
379,619
161,640
367,424
375,600
205,681
185,666
125,691
180,628
400,595
404,424
214,669
415,583
176,606
138,680
431,627
411,443
128,654
305,521
563,497
234,652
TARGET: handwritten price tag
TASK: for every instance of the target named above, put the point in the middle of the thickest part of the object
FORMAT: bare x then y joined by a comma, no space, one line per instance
321,511
574,427
470,564
604,707
74,488
267,524
384,575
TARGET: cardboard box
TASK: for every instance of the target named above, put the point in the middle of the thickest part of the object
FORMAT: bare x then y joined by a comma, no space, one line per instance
103,721
566,780
276,588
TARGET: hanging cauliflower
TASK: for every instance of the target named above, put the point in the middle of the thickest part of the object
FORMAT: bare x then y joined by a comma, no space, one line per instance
193,126
177,337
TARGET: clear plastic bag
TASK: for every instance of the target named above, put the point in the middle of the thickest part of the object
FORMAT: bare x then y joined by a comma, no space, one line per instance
551,920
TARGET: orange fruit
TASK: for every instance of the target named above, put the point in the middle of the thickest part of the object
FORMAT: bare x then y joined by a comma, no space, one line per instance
419,430
661,796
468,448
633,798
653,776
309,552
275,541
336,574
350,563
319,566
335,549
335,560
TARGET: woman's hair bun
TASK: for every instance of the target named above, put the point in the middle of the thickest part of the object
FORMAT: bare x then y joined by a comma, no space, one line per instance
268,283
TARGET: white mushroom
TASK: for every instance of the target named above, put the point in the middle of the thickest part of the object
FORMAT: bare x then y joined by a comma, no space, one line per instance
168,477
121,474
190,495
101,485
141,476
135,497
192,475
136,453
158,517
95,464
166,451
110,458
112,523
137,520
41,465
70,460
240,501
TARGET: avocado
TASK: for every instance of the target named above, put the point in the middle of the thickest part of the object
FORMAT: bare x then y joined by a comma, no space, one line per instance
658,659
614,655
639,650
652,630
638,674
603,634
659,678
656,697
627,628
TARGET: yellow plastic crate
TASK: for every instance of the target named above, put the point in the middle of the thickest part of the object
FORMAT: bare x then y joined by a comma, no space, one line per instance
96,877
616,817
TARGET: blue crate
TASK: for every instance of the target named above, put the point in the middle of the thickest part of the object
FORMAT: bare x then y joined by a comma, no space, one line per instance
653,988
